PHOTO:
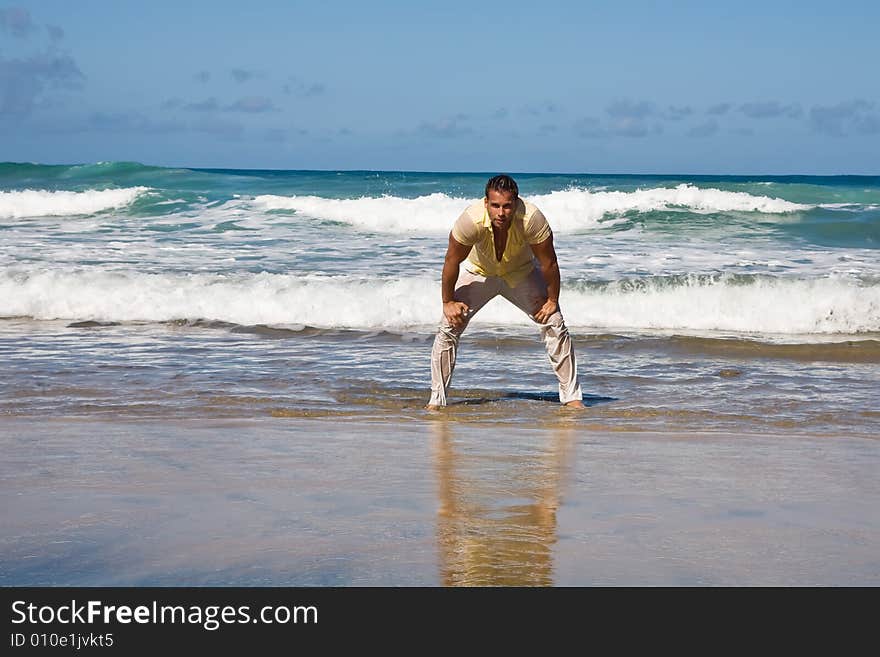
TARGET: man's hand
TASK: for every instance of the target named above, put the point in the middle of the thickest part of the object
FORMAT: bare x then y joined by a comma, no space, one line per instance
543,313
455,312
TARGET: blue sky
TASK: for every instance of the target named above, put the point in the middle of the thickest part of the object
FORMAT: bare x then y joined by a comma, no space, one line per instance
599,87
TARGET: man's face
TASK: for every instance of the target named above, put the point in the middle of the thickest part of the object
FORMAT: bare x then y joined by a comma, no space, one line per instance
501,206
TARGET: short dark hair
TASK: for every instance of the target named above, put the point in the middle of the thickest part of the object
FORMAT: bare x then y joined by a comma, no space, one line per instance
504,184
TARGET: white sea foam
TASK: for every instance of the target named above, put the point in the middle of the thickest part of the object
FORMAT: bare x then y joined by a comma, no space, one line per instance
757,305
567,210
44,203
433,213
724,303
243,299
575,209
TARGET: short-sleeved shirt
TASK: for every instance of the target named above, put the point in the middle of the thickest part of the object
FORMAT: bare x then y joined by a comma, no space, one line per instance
527,226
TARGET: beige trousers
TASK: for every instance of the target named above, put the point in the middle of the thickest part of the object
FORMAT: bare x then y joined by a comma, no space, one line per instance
476,291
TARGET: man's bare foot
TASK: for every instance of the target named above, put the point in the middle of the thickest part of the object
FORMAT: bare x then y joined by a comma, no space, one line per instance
575,403
432,407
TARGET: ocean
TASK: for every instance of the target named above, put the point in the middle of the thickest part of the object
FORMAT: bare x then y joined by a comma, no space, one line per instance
710,303
218,377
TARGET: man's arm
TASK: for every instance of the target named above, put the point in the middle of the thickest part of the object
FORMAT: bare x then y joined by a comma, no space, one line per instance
453,310
546,255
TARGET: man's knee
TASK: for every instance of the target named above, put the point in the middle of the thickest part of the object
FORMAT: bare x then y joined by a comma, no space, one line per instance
555,323
447,334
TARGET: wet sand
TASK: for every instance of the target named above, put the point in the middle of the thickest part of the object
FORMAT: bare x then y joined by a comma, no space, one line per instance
430,499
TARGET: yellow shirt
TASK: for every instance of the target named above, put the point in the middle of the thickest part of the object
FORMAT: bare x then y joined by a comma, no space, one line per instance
527,226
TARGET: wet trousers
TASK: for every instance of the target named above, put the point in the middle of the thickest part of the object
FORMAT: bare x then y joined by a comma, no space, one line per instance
476,291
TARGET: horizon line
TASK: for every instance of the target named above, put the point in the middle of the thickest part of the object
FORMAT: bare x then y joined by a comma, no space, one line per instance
449,171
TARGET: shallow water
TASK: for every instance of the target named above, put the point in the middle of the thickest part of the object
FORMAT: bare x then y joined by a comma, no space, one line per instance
185,370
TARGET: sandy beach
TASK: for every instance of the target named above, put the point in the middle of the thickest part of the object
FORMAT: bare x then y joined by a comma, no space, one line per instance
429,500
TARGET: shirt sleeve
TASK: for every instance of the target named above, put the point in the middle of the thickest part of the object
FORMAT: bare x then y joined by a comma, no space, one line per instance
464,231
536,228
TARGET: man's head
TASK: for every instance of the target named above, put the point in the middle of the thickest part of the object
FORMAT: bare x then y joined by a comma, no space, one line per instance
504,184
501,199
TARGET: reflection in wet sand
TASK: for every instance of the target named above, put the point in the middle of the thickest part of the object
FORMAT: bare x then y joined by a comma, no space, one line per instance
496,519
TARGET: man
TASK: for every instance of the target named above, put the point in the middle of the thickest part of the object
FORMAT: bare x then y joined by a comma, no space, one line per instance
501,237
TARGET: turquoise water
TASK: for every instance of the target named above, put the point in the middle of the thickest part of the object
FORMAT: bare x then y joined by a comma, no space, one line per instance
719,302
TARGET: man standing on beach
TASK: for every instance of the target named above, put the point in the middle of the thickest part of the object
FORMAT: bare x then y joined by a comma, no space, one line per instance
501,237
